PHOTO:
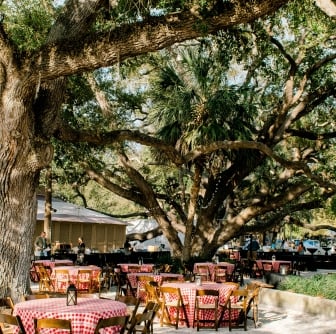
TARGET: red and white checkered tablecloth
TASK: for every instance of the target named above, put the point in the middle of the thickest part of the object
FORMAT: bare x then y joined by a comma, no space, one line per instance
141,268
188,292
73,272
54,263
84,316
212,267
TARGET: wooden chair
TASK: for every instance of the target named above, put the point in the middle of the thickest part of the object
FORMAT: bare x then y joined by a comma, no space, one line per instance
84,280
238,273
87,295
106,278
124,286
11,320
62,279
143,322
221,273
45,282
206,301
132,303
52,323
141,291
172,298
237,301
203,271
253,302
120,321
7,305
167,268
153,292
234,285
33,274
36,296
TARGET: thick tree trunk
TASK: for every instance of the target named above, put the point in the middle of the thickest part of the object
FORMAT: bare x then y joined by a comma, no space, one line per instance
22,156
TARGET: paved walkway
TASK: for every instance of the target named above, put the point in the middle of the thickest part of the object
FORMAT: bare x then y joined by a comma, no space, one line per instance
272,321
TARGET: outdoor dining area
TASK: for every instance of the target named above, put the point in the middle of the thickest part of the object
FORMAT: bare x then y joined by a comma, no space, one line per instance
130,297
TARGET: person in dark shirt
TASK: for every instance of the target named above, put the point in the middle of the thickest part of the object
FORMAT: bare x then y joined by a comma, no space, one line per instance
41,246
81,245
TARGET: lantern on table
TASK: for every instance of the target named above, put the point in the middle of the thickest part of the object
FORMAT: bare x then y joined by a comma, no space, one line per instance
198,280
71,295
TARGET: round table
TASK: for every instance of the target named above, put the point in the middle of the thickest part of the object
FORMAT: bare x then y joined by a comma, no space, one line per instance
84,316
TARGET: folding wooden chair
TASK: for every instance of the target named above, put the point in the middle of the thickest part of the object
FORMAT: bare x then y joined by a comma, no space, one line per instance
204,272
124,286
143,322
62,279
206,301
141,291
36,296
45,282
253,302
221,273
52,323
11,321
120,321
172,301
132,303
7,305
84,280
106,278
237,302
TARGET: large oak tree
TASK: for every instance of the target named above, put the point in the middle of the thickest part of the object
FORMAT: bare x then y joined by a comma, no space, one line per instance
82,37
264,166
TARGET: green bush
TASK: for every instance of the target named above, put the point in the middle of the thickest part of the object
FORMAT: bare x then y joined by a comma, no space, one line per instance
322,285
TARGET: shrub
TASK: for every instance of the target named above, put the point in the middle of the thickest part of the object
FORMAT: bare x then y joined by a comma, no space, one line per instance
322,285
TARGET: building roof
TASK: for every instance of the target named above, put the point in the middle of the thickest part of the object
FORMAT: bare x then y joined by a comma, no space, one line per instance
68,212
